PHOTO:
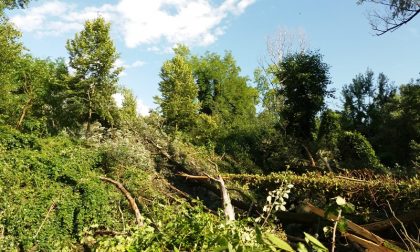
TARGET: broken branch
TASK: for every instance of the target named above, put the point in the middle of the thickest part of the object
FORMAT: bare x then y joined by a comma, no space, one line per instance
133,204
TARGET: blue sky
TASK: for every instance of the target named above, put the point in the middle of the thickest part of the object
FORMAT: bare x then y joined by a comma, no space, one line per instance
145,30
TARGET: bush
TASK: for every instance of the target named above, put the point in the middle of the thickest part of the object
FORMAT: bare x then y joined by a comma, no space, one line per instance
357,153
50,193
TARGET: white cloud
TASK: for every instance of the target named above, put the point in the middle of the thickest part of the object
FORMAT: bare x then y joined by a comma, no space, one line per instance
142,109
118,98
157,23
137,63
121,63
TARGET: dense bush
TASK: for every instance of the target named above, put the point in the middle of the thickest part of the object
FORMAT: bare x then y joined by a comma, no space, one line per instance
357,153
50,193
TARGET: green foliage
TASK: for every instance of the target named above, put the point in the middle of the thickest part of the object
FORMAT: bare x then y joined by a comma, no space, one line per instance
92,57
10,52
314,243
321,188
182,228
356,152
12,139
12,4
128,116
50,193
221,90
304,79
179,94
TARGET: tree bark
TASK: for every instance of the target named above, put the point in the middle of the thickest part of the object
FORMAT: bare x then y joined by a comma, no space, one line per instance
227,205
366,234
133,204
23,114
311,159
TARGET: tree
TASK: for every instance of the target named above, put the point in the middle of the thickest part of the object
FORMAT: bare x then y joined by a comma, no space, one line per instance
303,84
12,4
179,93
128,112
92,56
364,102
396,14
11,51
221,90
33,77
358,98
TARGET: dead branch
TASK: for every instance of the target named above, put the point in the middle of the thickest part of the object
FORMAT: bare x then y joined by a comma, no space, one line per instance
187,176
412,216
227,204
352,179
108,233
133,204
370,246
413,244
53,205
352,226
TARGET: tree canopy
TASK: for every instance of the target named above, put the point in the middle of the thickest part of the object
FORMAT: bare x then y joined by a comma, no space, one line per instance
92,56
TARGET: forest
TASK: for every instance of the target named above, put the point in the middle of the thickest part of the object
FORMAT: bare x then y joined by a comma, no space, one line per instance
226,162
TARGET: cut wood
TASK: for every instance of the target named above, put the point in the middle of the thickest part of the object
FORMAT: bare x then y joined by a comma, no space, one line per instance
352,226
227,204
133,204
370,246
409,217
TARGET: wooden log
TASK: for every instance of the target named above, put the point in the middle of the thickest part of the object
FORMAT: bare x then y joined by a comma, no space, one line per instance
370,246
227,205
133,204
413,216
352,226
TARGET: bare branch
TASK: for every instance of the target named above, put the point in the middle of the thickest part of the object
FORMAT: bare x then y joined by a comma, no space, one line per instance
133,204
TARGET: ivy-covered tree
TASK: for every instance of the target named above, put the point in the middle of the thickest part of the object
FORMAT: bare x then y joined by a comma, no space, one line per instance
92,56
221,90
11,50
304,79
178,99
32,81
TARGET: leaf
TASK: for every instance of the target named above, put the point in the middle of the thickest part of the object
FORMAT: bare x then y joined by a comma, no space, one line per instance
269,199
348,208
301,247
314,241
258,235
278,243
340,200
342,225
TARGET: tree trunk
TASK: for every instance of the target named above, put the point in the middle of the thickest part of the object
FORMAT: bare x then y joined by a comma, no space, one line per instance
139,217
227,205
311,159
23,114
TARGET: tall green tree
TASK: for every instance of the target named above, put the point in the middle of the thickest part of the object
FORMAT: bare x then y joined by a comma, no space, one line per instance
364,101
128,112
92,56
178,99
221,90
11,51
32,80
304,79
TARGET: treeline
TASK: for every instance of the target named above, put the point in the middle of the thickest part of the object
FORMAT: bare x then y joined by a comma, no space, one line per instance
275,121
